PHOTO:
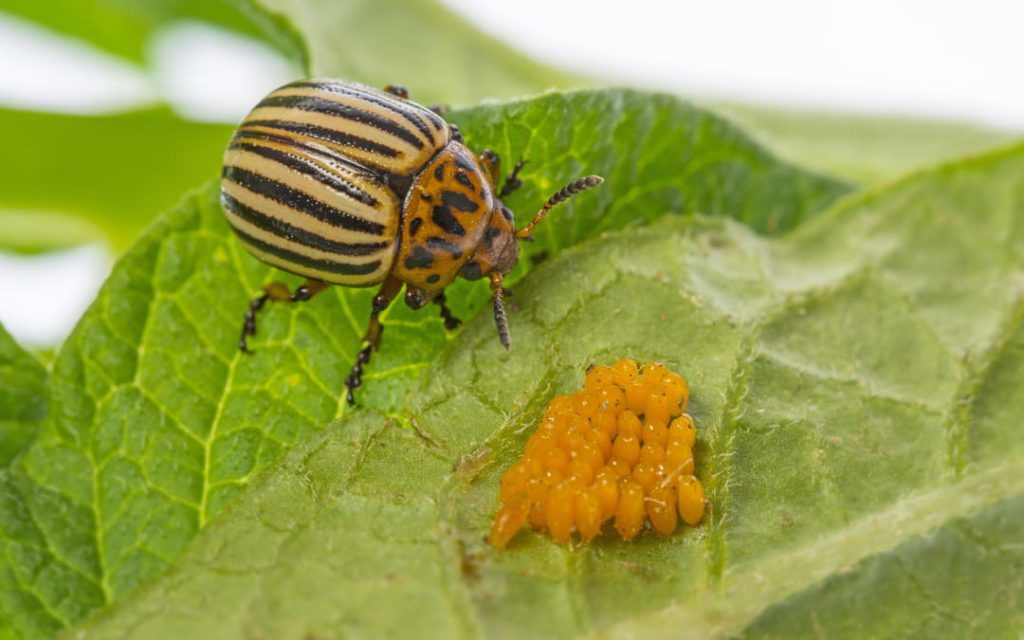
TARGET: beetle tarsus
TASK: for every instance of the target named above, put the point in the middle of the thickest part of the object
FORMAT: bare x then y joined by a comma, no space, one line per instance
249,326
451,323
355,376
512,181
275,292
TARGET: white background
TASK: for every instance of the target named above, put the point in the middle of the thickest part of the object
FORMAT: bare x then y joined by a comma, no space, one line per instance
920,57
932,59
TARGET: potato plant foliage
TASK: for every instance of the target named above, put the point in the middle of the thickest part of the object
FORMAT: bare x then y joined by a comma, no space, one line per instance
854,361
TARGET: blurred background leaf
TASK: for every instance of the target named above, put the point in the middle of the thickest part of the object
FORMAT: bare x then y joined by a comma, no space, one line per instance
420,44
860,148
78,179
125,28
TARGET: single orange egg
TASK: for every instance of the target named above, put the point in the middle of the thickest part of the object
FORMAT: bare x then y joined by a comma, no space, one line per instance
691,500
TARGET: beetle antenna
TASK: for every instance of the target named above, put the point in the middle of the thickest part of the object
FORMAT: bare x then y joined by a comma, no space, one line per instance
563,194
499,310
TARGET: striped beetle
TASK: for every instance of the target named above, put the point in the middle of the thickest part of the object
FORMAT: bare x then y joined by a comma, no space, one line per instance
348,185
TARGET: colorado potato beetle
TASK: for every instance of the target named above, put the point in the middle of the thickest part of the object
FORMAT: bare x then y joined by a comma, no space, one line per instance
344,184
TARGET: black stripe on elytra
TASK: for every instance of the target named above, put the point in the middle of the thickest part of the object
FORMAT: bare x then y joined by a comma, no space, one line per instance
312,149
327,134
302,165
300,201
435,242
414,226
458,201
303,236
341,268
348,112
412,114
419,258
443,218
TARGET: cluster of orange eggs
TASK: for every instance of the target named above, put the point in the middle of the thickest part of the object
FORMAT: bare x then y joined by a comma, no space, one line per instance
620,448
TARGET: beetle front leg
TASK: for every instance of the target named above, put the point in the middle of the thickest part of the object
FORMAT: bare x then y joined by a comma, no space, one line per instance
372,339
451,323
491,163
275,292
512,181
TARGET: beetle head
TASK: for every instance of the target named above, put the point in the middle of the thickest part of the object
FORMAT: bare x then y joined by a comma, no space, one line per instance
499,250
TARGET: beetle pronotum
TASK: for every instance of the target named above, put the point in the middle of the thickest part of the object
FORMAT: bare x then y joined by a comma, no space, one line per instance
348,185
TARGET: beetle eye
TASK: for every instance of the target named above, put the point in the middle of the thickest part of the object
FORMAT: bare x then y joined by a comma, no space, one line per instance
507,214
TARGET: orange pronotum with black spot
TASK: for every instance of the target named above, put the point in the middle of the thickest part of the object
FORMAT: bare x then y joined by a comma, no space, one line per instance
348,185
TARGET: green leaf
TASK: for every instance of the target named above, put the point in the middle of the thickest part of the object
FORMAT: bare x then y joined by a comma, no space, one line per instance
856,388
861,148
23,398
78,179
160,422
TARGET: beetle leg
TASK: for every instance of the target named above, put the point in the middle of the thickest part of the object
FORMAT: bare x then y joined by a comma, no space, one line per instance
451,323
275,292
500,320
490,161
512,181
372,339
403,93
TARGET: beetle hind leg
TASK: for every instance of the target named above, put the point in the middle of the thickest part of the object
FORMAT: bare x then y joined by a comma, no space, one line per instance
397,90
403,93
372,338
275,292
